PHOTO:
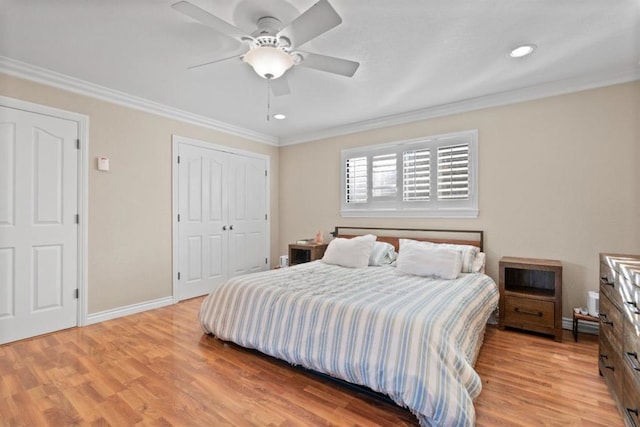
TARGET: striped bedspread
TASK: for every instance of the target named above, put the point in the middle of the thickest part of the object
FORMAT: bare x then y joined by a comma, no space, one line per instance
413,339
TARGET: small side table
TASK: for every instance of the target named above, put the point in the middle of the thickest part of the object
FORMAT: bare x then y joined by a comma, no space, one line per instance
577,317
306,252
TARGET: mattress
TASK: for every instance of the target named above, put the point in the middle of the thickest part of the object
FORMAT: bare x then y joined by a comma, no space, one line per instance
411,338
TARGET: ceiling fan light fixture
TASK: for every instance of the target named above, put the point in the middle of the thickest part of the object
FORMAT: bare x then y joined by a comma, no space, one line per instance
268,62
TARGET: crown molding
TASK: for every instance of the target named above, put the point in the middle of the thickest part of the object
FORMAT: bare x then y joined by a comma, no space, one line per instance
559,87
23,70
575,84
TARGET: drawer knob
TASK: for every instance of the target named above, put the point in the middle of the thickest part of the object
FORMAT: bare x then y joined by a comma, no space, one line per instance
603,319
632,358
531,313
604,357
634,305
605,281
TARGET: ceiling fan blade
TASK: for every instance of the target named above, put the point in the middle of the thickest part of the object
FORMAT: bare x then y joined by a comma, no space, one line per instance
280,86
210,20
319,18
213,62
330,64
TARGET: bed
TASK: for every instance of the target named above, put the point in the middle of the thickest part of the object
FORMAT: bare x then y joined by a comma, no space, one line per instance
414,339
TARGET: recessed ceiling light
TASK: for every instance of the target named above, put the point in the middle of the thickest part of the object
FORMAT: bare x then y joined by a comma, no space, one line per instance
279,116
523,50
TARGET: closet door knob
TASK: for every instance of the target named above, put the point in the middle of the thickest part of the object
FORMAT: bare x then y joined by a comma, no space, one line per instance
231,227
224,227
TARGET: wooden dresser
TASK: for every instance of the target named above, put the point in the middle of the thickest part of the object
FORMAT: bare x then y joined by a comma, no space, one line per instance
619,360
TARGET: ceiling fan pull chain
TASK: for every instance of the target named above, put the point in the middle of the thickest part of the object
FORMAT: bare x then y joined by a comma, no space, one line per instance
268,98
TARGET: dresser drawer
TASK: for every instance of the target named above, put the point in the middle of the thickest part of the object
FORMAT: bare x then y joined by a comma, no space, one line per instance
528,313
630,401
608,285
611,324
629,292
611,367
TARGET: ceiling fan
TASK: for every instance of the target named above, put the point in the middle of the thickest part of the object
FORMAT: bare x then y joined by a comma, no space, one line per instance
273,49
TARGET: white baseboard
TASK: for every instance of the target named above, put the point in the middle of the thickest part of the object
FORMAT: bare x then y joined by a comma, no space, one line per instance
114,313
584,327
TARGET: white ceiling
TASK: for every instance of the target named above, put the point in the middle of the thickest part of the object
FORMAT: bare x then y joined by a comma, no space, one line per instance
416,56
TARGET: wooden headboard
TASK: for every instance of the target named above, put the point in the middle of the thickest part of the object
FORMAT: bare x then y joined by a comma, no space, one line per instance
393,235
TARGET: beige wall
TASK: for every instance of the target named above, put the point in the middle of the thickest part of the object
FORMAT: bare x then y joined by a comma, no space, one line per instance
130,253
558,178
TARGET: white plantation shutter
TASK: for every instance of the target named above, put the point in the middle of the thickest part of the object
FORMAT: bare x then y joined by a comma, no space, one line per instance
425,177
356,180
453,172
383,175
416,175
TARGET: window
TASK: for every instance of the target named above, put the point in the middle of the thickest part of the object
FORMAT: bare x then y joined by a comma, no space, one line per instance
383,176
416,175
427,177
356,178
453,172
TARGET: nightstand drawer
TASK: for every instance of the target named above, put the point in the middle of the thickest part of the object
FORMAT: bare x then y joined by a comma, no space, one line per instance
527,312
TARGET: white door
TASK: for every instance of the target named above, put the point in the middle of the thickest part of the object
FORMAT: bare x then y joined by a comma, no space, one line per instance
247,220
203,234
222,224
38,229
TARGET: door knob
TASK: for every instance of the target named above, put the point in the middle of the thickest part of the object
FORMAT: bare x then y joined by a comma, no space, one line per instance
231,227
224,227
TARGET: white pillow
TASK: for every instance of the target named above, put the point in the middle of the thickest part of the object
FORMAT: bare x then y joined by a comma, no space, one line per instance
383,253
422,259
479,262
353,252
468,252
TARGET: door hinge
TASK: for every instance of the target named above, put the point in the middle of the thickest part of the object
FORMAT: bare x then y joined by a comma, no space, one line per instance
178,275
178,159
77,294
77,218
178,217
266,217
77,144
266,261
265,172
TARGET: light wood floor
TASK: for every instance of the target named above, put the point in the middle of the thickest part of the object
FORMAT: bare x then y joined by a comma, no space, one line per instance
158,369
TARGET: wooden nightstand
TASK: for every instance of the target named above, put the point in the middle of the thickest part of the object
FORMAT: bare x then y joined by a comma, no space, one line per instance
301,253
531,295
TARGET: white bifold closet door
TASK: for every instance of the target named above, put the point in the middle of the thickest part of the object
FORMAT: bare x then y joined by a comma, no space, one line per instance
38,228
222,224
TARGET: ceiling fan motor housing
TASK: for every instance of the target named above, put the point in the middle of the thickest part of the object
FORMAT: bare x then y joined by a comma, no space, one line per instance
268,26
267,34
